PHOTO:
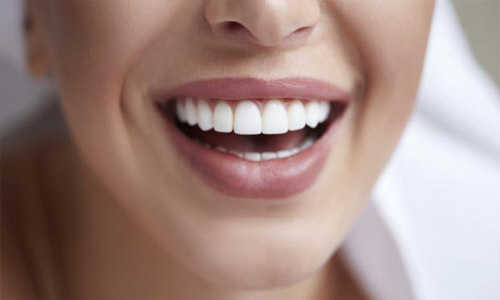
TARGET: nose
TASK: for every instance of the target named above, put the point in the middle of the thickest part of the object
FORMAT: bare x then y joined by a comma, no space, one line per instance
262,22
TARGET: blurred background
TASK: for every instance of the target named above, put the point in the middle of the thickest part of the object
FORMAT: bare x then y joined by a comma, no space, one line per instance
480,20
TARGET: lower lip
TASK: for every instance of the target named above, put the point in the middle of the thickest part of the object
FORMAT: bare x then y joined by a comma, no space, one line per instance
271,179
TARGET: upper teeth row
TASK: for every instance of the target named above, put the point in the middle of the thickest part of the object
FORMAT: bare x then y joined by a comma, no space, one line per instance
247,117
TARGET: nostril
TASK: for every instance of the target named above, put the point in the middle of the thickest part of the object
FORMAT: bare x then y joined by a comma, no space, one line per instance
232,26
302,29
262,22
301,32
234,30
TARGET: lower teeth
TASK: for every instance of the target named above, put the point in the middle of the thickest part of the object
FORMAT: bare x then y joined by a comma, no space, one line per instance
260,156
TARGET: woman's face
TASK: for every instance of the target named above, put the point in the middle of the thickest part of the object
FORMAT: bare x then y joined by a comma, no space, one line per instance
125,70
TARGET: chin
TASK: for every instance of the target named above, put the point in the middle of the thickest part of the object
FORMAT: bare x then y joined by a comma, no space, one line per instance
243,256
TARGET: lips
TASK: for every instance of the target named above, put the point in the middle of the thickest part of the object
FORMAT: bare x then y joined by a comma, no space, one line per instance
252,138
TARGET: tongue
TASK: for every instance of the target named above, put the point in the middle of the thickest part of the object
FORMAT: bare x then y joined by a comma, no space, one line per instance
248,143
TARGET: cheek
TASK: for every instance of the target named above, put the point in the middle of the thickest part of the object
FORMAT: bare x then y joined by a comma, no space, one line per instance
92,45
391,44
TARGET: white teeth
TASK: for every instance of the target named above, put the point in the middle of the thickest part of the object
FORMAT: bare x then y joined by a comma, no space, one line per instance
294,151
247,119
312,114
269,155
253,156
283,153
256,156
223,117
308,143
324,111
204,116
191,112
274,118
296,115
236,153
180,110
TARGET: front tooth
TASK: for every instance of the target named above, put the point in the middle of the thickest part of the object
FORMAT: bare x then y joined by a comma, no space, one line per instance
296,115
247,119
312,114
253,156
324,110
180,110
204,116
274,118
191,112
223,117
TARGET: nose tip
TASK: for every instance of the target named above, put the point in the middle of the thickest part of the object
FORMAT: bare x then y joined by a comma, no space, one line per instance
263,22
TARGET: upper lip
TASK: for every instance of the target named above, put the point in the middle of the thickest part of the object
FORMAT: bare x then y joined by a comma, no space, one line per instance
254,88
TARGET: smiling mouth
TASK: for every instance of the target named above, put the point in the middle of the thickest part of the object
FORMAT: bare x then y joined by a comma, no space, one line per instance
253,130
265,146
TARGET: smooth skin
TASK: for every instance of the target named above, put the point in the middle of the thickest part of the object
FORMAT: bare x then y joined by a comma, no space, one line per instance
119,216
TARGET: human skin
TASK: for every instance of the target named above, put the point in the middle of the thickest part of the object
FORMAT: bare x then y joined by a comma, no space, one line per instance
106,56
